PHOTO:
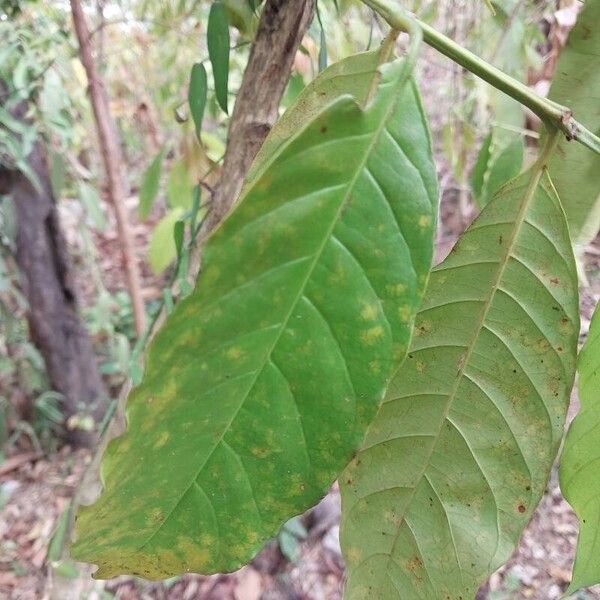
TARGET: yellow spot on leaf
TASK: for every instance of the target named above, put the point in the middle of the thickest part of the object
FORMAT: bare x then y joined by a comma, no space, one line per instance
369,313
375,367
259,452
235,353
163,438
405,312
424,221
371,336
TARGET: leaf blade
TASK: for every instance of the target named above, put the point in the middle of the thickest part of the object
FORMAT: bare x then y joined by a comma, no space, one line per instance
150,185
197,94
266,323
575,170
578,463
465,454
218,51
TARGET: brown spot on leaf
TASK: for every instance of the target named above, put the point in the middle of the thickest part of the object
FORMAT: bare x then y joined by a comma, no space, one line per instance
555,281
521,508
414,563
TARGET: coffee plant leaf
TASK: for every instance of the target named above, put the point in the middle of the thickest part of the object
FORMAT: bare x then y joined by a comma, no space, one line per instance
580,463
505,165
461,449
261,384
574,169
352,75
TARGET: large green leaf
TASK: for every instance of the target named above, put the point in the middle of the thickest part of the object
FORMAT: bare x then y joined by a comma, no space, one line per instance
460,451
261,384
352,75
575,170
580,463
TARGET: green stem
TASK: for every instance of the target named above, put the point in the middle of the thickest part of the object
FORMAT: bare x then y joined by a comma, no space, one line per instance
552,114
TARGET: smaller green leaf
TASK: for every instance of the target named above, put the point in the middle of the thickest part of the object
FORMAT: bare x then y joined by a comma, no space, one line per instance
218,51
57,173
179,186
58,537
150,185
506,165
197,95
91,203
496,164
161,249
481,165
579,464
322,44
178,231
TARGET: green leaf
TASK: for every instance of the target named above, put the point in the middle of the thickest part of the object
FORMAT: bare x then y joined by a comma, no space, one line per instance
57,173
575,170
92,204
352,75
261,384
179,186
161,248
178,237
460,451
481,166
150,185
218,51
503,163
580,460
197,95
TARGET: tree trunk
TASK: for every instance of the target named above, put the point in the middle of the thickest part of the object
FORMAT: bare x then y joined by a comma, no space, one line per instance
46,280
113,160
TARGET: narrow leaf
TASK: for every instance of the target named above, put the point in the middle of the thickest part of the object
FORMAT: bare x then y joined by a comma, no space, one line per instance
161,248
262,382
178,237
506,163
150,185
197,95
481,167
92,204
575,170
180,188
218,51
580,463
461,449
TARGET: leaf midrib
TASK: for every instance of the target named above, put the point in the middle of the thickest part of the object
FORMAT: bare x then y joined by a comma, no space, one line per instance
529,194
402,79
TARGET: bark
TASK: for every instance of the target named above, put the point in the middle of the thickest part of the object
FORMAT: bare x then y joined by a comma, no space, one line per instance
54,323
282,26
112,157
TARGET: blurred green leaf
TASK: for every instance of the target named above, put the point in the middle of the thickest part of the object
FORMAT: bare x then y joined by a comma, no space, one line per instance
580,462
575,170
495,166
481,166
161,248
218,51
197,94
57,173
92,204
179,186
150,185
